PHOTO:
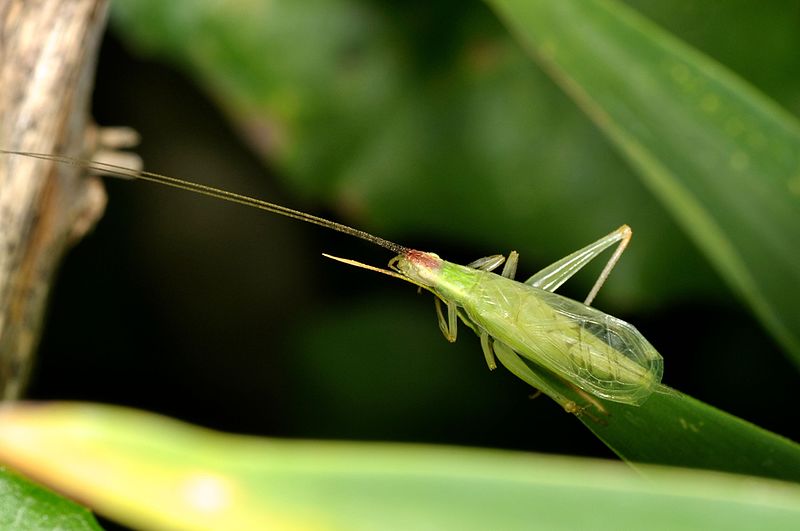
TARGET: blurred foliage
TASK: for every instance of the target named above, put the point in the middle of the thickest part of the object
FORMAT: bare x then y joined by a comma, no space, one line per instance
152,472
421,119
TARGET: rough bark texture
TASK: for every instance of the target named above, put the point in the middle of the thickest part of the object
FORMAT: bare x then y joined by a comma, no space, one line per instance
48,50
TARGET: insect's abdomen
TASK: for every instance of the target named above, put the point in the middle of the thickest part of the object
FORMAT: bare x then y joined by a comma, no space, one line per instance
597,352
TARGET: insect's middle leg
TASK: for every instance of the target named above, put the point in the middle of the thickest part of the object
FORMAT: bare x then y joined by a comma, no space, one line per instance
486,341
488,351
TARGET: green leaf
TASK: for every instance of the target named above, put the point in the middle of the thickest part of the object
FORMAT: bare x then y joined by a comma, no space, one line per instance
152,472
723,158
672,428
28,506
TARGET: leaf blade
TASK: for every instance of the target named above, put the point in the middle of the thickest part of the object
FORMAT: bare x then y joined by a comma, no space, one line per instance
27,505
672,428
325,485
682,120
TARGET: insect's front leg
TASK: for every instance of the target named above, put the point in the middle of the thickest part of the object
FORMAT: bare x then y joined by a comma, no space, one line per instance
449,326
488,263
510,269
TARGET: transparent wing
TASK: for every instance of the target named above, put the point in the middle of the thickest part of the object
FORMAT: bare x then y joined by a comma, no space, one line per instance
598,352
601,354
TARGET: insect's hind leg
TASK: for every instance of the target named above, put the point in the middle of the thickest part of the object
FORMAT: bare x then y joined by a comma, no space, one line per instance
514,363
521,370
554,275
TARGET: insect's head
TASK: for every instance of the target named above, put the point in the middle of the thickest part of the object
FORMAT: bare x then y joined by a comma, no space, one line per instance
420,267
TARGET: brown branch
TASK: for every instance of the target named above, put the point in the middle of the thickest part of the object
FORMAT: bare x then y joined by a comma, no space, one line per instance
48,51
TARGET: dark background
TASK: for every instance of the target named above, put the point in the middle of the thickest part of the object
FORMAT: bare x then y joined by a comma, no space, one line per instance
219,315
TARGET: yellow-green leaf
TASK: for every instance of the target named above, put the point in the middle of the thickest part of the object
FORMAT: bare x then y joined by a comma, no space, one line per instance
151,472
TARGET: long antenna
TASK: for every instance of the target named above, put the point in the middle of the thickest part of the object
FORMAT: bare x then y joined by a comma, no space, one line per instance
121,171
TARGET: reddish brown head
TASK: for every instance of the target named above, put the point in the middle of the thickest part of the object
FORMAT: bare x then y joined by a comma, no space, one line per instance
419,266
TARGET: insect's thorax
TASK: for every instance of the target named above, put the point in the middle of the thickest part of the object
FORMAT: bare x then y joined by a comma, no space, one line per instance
450,281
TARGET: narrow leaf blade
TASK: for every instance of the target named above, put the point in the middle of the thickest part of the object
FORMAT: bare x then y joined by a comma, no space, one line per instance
152,472
723,158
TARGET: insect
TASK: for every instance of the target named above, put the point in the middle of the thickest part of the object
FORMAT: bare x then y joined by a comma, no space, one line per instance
567,350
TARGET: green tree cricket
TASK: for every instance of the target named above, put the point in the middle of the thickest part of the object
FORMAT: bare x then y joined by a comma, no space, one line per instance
568,350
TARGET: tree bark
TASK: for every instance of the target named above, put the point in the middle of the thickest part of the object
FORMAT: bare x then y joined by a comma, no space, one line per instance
48,52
